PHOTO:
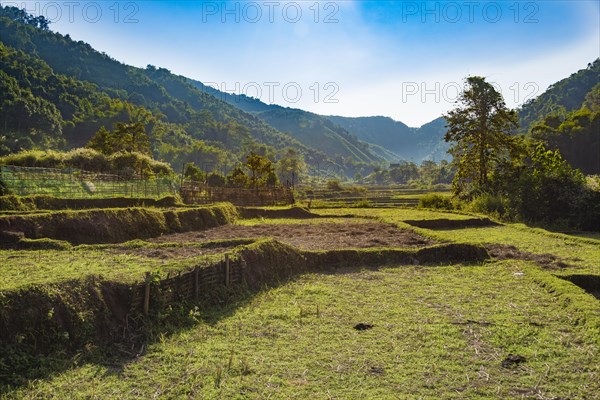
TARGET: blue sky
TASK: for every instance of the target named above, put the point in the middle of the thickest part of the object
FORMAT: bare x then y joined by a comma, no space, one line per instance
403,59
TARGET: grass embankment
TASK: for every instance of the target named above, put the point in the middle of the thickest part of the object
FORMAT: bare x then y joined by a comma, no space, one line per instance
13,203
437,333
116,225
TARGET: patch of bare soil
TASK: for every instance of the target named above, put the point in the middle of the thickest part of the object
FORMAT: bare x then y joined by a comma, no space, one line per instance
294,212
324,236
170,253
507,252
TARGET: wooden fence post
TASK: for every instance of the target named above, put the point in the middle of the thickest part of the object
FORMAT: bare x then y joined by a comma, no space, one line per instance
147,294
227,275
196,285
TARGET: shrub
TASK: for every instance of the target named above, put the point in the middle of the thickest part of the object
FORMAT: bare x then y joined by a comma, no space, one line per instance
160,168
35,158
87,160
362,204
335,185
586,215
495,206
3,188
548,190
358,189
130,164
127,163
13,203
215,180
436,201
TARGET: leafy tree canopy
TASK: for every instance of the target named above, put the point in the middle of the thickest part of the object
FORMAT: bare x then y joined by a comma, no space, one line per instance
478,130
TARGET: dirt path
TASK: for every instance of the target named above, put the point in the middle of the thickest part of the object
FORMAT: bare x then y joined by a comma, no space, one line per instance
322,236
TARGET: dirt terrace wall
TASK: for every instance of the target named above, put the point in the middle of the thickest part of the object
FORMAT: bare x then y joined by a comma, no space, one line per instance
117,225
294,212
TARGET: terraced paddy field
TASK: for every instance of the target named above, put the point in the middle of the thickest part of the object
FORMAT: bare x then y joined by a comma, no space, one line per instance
319,235
370,306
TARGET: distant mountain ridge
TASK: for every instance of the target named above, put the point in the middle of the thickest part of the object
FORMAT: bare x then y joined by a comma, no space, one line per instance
308,128
368,139
410,144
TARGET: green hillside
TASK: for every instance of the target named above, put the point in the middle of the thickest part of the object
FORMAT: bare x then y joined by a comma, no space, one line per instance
309,129
70,90
57,92
567,118
563,96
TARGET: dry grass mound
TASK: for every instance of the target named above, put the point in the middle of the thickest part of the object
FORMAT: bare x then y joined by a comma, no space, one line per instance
116,225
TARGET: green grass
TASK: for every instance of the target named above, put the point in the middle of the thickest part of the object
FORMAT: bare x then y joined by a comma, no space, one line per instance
574,250
22,268
419,195
394,214
439,332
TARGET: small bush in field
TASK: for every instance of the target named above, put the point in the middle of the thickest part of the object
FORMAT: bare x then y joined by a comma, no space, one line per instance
496,206
122,163
334,184
35,158
436,201
87,160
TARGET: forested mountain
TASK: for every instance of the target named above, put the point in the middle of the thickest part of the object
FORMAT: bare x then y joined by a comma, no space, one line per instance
58,92
567,118
560,98
412,144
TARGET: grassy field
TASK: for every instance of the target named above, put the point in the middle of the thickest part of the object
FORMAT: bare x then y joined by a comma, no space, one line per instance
20,268
437,333
581,251
502,329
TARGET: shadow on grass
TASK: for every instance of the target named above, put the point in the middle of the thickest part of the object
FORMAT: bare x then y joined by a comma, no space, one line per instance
589,283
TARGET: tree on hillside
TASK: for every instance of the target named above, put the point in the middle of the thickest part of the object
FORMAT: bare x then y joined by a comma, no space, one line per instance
21,16
102,141
404,172
577,136
291,168
592,99
126,137
133,137
237,178
192,172
478,129
261,170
